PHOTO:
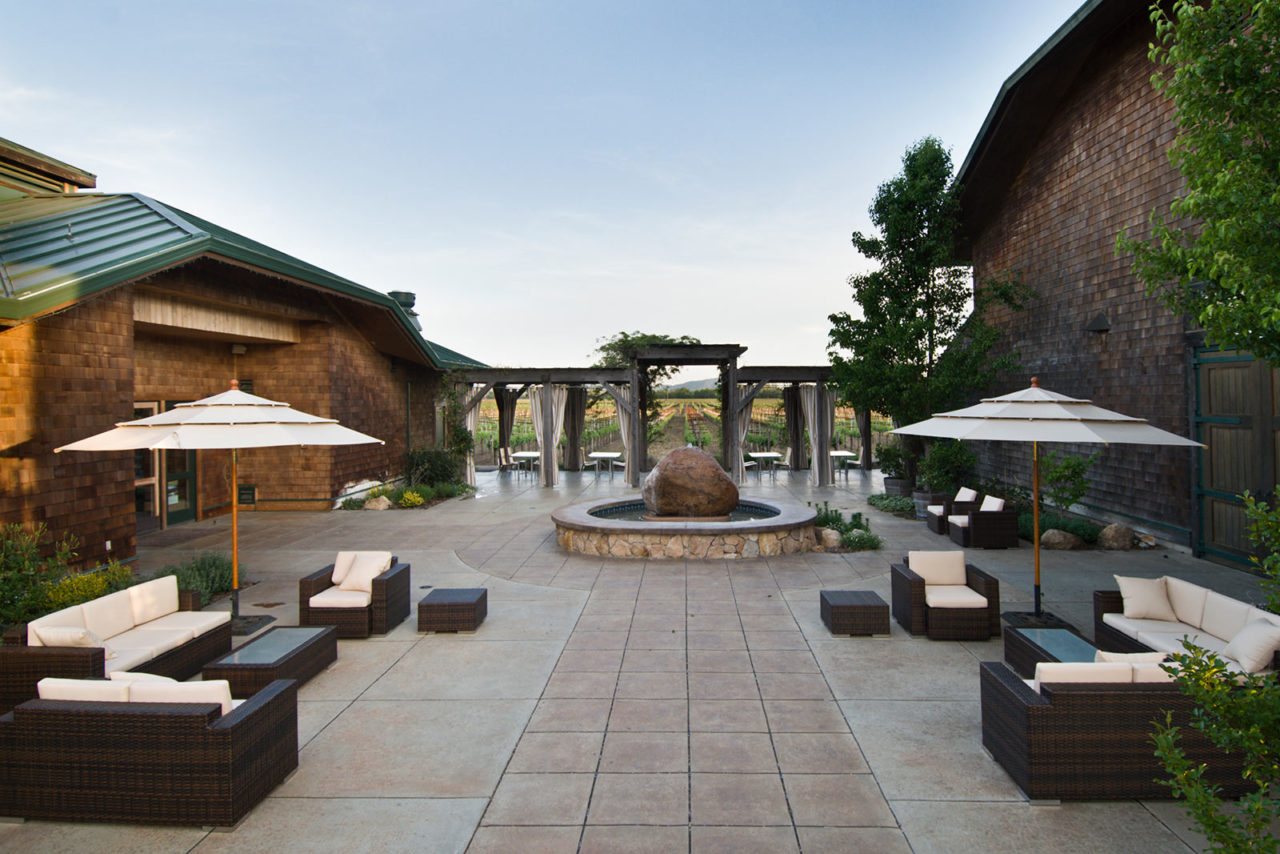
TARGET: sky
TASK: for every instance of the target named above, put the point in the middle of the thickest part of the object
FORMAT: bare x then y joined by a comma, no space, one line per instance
541,174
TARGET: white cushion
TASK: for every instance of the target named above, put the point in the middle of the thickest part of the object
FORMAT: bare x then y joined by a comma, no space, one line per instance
958,521
196,622
1145,598
1131,627
72,616
935,509
1260,614
964,493
101,690
154,598
1187,600
992,504
125,659
1082,671
108,616
953,596
1254,645
137,676
1224,616
214,691
1172,641
155,641
1131,657
68,636
336,597
1150,671
342,565
367,566
938,567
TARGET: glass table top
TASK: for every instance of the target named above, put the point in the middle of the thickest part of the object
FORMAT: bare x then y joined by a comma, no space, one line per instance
272,645
1062,644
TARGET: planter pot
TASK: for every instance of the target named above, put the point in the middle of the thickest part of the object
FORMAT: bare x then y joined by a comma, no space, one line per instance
897,486
923,498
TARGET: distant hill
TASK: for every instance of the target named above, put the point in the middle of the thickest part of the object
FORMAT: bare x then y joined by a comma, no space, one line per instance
695,385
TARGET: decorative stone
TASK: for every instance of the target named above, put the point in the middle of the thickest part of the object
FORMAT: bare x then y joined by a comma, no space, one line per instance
382,502
1117,537
828,538
1055,539
689,482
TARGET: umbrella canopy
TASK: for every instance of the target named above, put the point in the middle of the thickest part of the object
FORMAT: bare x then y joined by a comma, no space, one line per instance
230,420
1038,415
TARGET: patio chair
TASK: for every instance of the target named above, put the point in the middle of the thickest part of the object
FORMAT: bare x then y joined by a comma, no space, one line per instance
935,515
587,462
937,594
505,461
362,593
990,526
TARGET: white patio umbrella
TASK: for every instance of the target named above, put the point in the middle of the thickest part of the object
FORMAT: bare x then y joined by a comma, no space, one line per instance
1037,415
230,420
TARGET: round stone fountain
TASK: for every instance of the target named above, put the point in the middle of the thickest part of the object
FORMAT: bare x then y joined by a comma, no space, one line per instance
691,509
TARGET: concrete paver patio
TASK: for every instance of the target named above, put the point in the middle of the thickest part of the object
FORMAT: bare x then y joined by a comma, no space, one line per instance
624,706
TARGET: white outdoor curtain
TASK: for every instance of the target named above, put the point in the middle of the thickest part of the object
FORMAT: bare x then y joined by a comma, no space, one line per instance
810,396
744,425
624,422
473,424
547,445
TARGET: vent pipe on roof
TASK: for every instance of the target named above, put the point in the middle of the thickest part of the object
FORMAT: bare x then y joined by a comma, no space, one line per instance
406,299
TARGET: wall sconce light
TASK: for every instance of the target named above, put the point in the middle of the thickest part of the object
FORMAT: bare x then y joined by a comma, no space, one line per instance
238,349
1098,324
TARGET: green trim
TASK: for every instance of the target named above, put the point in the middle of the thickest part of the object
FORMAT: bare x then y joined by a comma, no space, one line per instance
1221,496
1218,419
1231,556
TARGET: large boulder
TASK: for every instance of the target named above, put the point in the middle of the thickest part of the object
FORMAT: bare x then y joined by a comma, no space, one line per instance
382,502
1055,539
689,482
828,538
1116,536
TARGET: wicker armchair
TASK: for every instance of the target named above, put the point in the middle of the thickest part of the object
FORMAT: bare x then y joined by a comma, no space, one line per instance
1090,741
913,613
988,526
935,515
169,763
388,607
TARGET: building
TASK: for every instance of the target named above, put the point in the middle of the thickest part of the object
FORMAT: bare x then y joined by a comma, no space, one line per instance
114,305
1072,152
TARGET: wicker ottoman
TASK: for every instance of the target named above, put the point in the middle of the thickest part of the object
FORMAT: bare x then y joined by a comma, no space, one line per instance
854,612
460,609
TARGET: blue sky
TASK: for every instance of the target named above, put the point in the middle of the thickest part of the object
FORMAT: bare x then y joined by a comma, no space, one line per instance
541,174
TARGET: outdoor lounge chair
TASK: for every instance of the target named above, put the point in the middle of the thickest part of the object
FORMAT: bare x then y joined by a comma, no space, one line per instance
362,593
989,526
935,515
939,595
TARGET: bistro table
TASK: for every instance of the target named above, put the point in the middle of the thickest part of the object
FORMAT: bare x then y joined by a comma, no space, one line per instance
764,458
605,457
842,459
522,457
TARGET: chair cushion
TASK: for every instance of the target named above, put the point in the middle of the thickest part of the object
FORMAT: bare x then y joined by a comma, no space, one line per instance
1150,671
991,504
958,521
1145,598
953,596
336,597
73,616
1254,645
938,567
964,493
1082,671
154,598
366,567
342,565
110,615
1172,641
935,509
98,690
1224,616
137,676
125,659
1131,657
214,691
1187,600
1131,627
155,641
196,622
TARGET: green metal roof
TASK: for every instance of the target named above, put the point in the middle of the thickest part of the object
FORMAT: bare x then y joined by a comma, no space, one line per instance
57,249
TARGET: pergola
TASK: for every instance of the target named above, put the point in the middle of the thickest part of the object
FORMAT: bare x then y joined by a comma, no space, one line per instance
738,388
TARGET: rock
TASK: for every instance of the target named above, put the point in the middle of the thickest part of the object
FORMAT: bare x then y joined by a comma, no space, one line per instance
1116,536
1055,539
828,538
689,482
382,502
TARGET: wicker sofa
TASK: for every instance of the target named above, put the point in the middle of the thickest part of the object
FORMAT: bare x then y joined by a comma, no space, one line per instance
985,526
140,761
935,515
1156,613
1090,740
152,626
939,595
362,593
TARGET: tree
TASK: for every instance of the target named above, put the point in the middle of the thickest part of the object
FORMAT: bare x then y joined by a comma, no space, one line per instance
915,348
1214,254
615,352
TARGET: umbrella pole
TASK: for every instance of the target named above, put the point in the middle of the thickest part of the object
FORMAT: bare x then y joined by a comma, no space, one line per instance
236,539
1035,514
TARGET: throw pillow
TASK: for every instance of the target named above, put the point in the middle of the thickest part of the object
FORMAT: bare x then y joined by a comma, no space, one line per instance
1254,646
938,567
964,493
991,504
366,567
67,636
1145,599
342,565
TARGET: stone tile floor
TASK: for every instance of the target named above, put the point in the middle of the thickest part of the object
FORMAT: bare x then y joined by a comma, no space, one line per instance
642,706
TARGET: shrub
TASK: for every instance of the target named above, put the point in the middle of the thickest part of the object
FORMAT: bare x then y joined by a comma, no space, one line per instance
893,462
1065,478
947,466
430,465
427,492
24,574
85,586
411,498
860,541
353,503
1083,529
208,572
899,504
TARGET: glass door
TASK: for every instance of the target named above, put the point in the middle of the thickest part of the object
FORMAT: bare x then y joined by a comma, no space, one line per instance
146,478
179,482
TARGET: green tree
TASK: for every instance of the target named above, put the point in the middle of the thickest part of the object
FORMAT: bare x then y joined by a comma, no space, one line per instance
1213,254
615,352
914,347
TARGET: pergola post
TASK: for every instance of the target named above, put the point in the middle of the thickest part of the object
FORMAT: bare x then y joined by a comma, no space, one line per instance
548,461
638,451
822,402
729,416
865,451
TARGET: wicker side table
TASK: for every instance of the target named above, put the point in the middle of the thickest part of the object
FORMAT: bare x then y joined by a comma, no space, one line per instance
854,612
459,609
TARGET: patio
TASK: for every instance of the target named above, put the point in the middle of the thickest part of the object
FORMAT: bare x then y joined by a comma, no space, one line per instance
618,705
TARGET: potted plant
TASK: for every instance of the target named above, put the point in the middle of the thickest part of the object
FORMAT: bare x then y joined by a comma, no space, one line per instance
894,466
944,469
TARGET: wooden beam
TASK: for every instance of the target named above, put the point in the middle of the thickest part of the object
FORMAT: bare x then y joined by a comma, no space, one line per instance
544,376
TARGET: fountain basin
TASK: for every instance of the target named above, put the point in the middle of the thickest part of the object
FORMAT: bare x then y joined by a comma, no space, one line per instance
594,528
